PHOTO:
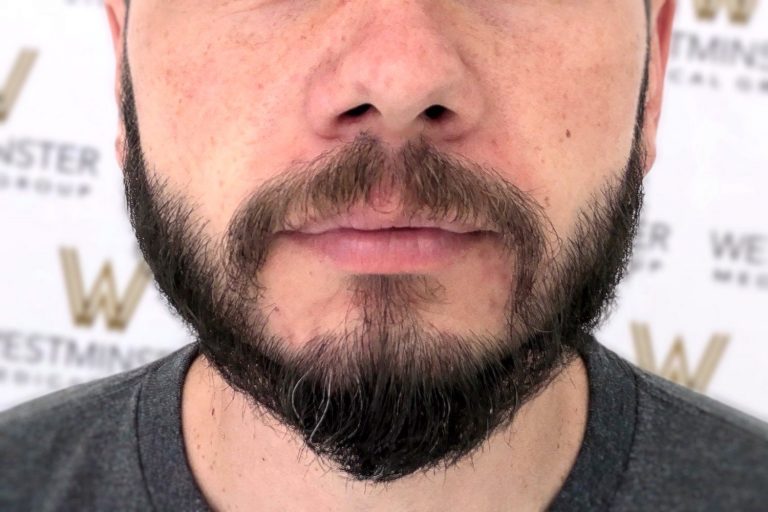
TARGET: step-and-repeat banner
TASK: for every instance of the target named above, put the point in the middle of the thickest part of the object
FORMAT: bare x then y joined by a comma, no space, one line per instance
78,303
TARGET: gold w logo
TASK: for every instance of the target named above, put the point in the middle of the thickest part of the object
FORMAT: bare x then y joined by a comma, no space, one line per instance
15,81
675,367
103,295
739,11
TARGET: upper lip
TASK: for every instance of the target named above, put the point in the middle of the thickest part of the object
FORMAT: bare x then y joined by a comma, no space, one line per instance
366,219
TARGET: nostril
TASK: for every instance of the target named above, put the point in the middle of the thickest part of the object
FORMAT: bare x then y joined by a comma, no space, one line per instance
435,112
358,111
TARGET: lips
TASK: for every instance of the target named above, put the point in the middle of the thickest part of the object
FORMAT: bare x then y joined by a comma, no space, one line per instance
364,219
390,250
362,240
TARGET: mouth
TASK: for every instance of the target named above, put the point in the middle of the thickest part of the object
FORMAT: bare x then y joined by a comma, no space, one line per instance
366,242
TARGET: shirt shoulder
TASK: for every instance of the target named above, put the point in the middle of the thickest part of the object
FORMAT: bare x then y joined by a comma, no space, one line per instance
74,449
691,452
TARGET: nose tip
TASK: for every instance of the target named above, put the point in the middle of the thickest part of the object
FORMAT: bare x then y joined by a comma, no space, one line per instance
395,79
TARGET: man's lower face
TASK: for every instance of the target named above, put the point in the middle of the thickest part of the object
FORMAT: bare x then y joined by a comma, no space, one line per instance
389,368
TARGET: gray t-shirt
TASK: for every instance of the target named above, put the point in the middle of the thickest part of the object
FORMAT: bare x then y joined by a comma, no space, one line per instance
116,444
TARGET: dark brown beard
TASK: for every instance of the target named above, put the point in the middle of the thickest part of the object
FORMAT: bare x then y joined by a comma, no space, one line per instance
387,397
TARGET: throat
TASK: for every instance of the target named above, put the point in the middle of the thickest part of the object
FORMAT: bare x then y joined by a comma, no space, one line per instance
245,460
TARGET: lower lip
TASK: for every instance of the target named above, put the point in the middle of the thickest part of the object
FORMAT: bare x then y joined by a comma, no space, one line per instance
389,250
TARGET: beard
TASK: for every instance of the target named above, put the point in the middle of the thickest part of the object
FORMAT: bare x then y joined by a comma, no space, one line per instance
388,394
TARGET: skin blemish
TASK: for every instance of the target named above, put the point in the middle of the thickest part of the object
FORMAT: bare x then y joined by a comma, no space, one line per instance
568,133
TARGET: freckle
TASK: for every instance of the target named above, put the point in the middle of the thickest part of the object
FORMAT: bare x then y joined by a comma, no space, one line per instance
213,411
568,133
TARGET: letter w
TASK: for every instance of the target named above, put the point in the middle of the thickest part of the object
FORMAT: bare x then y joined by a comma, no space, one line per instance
15,81
103,295
675,366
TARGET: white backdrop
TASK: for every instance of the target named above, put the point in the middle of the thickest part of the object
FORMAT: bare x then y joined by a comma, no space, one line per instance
77,303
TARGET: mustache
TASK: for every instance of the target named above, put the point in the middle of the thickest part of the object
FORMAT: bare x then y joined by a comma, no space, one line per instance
416,179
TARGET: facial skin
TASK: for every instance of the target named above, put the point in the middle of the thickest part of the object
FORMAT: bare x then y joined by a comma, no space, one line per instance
537,122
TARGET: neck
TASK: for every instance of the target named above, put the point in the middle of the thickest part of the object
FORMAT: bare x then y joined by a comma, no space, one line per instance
242,460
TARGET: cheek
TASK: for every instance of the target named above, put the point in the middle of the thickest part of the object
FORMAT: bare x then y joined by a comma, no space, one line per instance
571,113
214,114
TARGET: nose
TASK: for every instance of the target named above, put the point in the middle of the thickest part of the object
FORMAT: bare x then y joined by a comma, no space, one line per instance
396,73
